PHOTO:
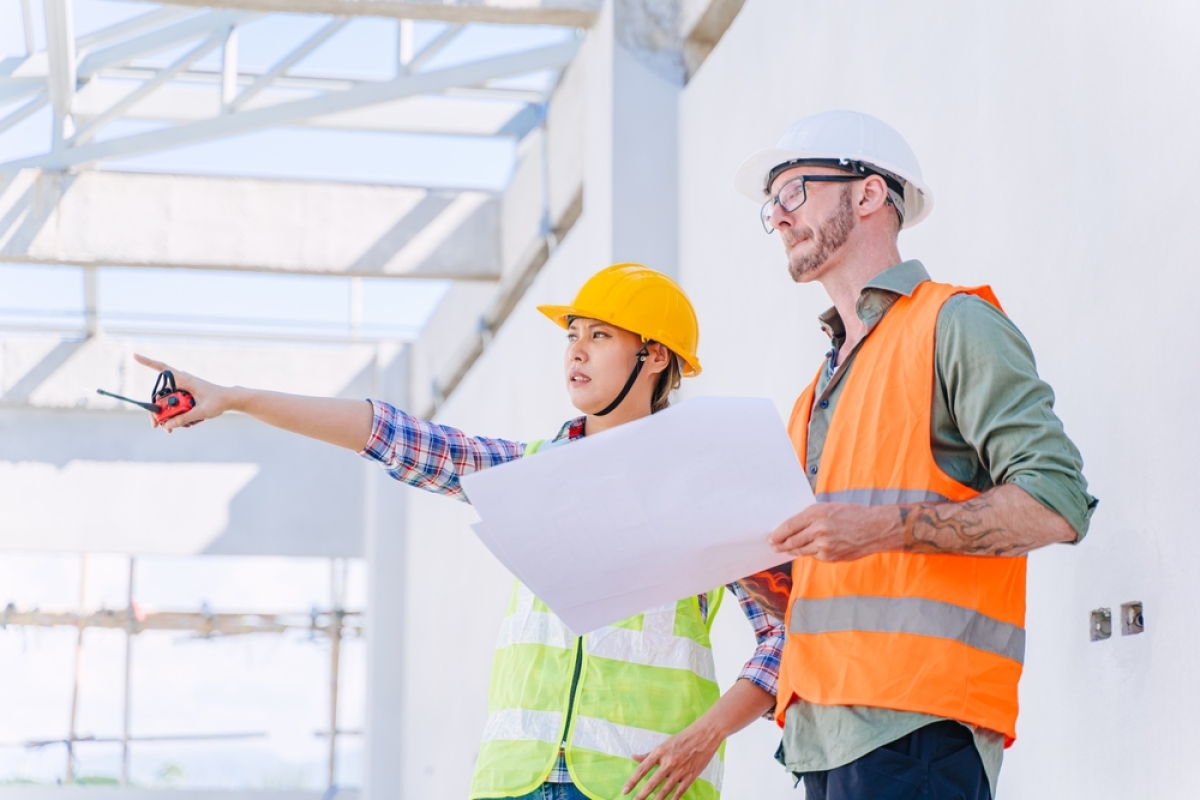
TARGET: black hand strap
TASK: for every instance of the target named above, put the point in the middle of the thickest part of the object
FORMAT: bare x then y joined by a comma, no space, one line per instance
164,385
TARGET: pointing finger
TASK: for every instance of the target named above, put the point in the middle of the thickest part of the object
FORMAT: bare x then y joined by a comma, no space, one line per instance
149,362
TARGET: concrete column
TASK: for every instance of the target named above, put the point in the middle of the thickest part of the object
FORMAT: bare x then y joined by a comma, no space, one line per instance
635,76
648,77
384,523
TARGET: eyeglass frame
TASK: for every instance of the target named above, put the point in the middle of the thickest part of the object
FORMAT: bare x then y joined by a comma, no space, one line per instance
768,208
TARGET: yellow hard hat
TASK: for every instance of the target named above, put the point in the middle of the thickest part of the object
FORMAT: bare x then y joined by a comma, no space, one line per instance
640,300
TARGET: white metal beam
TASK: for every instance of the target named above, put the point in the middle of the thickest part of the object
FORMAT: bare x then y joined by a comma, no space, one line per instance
13,89
183,62
575,13
180,102
308,227
60,49
473,74
131,26
430,50
30,108
287,62
229,68
158,40
27,26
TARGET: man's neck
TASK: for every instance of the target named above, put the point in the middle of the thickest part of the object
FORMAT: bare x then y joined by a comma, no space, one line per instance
845,279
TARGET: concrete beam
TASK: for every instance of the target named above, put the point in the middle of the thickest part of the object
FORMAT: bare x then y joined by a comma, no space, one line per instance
308,227
575,13
703,24
58,439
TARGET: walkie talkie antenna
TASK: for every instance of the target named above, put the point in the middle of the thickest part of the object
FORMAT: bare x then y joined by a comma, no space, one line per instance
148,406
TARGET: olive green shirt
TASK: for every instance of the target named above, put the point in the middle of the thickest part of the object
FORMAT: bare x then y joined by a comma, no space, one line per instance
993,423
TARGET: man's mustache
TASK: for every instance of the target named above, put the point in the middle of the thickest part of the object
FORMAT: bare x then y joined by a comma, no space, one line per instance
793,236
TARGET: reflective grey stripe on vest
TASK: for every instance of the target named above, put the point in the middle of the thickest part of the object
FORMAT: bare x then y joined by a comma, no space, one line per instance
521,724
655,645
909,615
881,497
623,741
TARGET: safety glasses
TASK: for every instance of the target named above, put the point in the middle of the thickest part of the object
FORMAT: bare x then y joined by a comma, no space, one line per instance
793,194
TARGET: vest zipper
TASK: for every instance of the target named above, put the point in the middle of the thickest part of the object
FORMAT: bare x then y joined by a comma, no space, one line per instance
574,686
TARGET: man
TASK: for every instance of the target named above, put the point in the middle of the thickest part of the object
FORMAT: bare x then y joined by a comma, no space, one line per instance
939,463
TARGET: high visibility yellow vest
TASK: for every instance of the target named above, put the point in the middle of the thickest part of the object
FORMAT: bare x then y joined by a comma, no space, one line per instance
935,633
602,697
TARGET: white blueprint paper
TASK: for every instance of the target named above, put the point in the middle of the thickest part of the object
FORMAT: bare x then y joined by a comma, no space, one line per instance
647,513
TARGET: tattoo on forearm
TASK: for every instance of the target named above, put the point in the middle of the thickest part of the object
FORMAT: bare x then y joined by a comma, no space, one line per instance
771,589
957,528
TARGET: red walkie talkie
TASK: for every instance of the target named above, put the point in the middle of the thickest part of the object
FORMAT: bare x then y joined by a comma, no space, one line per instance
168,401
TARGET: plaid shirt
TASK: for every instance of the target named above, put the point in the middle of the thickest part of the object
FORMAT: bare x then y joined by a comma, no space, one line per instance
434,457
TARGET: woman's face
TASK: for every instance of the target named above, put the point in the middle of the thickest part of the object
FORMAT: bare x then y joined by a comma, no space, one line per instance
598,361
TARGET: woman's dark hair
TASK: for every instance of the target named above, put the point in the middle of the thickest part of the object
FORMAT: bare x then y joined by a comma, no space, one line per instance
668,381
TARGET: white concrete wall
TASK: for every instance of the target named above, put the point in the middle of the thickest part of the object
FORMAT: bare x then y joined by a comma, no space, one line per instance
1060,140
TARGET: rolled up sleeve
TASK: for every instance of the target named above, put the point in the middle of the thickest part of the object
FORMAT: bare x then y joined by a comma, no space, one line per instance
1005,411
431,456
763,667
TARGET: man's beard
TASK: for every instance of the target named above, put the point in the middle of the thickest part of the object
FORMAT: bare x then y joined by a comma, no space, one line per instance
830,234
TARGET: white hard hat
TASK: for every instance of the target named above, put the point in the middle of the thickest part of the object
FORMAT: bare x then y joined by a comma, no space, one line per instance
851,138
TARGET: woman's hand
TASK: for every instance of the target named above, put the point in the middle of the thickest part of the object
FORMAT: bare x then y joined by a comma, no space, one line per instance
211,400
345,423
680,760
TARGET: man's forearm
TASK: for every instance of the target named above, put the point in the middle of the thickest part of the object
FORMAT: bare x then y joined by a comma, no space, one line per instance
1004,521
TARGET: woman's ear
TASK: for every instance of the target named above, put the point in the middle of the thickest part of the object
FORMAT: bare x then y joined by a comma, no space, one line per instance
659,358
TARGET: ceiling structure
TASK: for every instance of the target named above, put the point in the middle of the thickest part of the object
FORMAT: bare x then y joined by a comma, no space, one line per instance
53,210
152,83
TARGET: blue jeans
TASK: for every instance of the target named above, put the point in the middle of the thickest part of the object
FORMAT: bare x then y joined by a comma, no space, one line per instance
552,791
937,762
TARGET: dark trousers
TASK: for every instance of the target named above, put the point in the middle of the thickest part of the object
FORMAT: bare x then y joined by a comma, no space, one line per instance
937,762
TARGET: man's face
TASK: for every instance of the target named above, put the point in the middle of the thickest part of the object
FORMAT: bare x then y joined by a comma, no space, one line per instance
817,229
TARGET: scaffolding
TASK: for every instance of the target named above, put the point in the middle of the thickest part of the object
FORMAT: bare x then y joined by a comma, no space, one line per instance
335,623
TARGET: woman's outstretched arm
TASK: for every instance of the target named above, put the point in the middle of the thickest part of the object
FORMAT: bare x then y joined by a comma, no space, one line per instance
345,423
414,451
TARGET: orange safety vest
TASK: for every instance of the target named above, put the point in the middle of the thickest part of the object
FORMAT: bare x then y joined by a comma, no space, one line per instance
937,634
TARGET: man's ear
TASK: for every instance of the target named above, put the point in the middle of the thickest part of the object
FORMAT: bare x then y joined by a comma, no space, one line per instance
873,195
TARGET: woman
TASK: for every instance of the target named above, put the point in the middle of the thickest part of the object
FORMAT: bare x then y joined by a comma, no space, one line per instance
630,706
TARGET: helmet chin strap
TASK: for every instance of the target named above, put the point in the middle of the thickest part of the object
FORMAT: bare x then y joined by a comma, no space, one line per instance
641,356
